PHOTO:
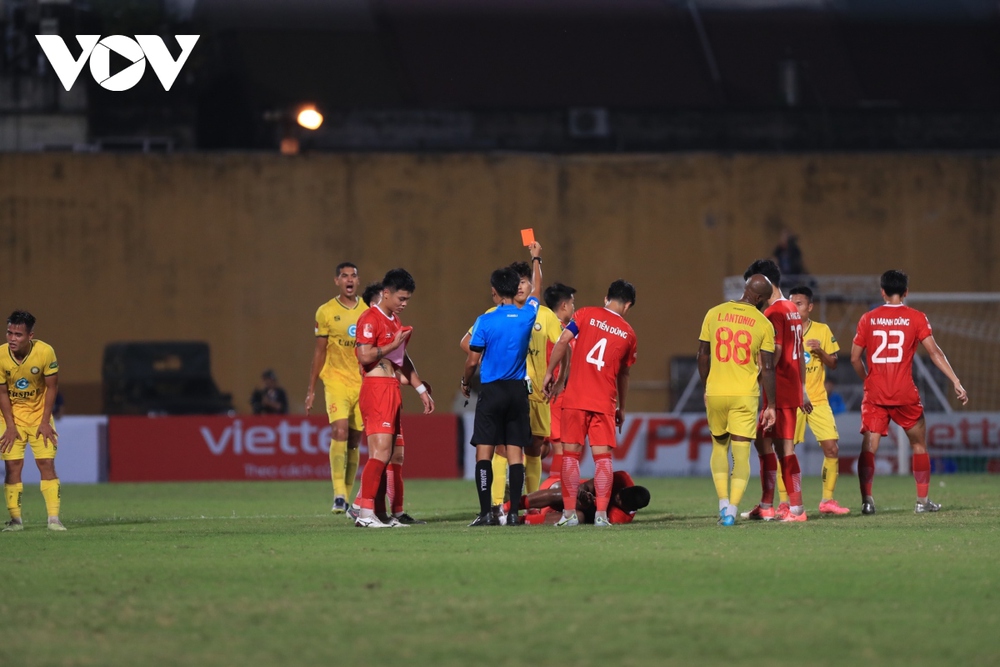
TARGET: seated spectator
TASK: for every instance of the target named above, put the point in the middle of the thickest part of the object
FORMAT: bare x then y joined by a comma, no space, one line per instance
837,404
271,399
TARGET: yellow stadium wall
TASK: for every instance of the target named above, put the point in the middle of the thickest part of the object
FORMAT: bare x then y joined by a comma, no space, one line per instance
239,249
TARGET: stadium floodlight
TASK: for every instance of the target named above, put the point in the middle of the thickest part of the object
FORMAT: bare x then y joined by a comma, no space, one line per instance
309,118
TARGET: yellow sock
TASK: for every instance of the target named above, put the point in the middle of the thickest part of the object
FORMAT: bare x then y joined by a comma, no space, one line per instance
782,493
499,479
353,456
338,463
13,494
50,491
720,468
532,472
831,467
741,471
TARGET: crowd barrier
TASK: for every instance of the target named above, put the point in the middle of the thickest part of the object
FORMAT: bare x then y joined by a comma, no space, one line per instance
95,449
664,445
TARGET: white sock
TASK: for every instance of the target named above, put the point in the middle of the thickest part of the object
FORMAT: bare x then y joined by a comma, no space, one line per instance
797,509
600,515
367,514
723,504
731,511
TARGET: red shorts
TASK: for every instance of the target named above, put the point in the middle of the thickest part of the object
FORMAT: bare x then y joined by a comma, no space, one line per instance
380,404
555,422
579,424
875,418
784,424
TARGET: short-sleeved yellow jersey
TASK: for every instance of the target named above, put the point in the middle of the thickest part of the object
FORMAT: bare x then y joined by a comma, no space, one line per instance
546,332
339,324
736,332
26,381
815,370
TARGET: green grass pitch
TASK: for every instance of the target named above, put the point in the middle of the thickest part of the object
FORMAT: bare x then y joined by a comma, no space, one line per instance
262,574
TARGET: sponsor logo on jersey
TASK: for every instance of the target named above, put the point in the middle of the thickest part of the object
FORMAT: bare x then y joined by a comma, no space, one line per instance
22,384
807,356
368,330
352,330
34,370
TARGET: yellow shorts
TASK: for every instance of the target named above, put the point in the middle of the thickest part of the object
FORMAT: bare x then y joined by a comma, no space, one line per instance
735,415
820,420
39,448
342,403
541,418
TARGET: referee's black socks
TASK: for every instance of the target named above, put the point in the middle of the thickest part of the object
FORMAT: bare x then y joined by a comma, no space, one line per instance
516,488
484,481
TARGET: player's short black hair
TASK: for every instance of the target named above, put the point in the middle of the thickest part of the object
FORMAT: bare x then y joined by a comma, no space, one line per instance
766,268
622,290
398,279
804,291
894,283
22,317
505,281
370,291
556,293
346,265
523,270
634,498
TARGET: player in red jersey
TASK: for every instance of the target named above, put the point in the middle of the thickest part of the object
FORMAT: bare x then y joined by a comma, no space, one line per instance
626,500
790,397
594,401
561,300
886,339
381,351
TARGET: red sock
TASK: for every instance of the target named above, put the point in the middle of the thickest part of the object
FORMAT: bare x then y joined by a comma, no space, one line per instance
866,473
570,481
371,478
792,475
555,470
768,478
921,466
525,505
603,478
394,487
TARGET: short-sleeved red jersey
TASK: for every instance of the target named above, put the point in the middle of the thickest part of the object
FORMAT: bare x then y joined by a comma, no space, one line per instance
890,335
616,515
605,343
377,328
787,323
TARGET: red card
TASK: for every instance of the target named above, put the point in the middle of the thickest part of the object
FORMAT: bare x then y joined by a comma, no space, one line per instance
527,236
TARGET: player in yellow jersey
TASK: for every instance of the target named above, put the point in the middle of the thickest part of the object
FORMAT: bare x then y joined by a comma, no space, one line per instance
546,331
30,372
734,335
335,363
821,353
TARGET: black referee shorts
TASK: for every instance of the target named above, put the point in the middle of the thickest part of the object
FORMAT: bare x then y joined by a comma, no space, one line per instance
502,414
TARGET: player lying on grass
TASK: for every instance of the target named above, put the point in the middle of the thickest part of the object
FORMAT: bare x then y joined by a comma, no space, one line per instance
626,500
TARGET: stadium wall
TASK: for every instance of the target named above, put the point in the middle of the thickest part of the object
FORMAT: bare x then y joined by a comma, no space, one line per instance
239,249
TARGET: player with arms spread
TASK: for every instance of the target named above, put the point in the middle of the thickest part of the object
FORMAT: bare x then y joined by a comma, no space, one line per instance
886,339
594,400
734,335
381,351
790,397
334,362
30,371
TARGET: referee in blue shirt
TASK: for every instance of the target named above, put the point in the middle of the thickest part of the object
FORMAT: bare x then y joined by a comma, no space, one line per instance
499,346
